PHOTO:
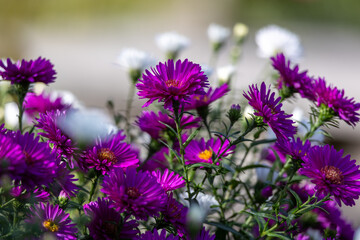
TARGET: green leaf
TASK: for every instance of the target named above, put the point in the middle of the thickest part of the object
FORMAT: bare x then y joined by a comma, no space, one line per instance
191,137
205,165
278,235
224,227
296,196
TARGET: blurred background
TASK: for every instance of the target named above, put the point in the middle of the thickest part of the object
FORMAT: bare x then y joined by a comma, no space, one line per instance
82,38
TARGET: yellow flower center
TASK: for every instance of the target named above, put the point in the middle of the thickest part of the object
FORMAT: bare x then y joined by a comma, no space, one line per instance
333,174
107,154
172,83
206,155
51,225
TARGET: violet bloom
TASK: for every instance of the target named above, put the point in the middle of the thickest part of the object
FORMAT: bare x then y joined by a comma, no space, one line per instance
343,107
157,160
175,213
266,106
170,82
291,78
136,192
295,148
155,236
204,235
39,70
169,181
110,152
154,124
40,161
201,151
63,181
63,145
35,104
332,174
199,101
106,223
52,219
35,196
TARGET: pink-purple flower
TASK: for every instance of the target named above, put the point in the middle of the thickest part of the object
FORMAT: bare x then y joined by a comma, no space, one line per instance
269,108
332,174
154,235
296,148
39,70
169,180
171,81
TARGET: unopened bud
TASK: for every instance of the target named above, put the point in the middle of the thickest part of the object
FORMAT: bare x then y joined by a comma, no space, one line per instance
234,113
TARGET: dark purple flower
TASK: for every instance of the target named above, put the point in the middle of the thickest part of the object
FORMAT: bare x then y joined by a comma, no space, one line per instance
154,124
63,181
201,151
40,161
63,145
170,82
295,148
345,108
332,174
155,236
204,235
291,77
176,213
35,196
169,181
35,104
157,160
106,223
39,70
110,152
52,219
138,193
269,108
198,101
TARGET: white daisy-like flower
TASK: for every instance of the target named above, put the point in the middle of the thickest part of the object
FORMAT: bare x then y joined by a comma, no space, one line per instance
172,42
274,39
218,34
225,73
240,31
133,59
11,112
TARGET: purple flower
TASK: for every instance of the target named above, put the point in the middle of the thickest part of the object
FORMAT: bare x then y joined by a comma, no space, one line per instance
169,181
176,213
106,223
295,148
170,82
52,219
63,145
291,78
345,108
201,151
198,101
155,236
34,104
204,235
157,160
332,174
154,124
269,108
63,181
110,152
37,195
39,70
138,193
40,161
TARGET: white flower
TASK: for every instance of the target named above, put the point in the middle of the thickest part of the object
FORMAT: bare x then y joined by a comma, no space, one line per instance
66,98
240,31
274,39
217,33
11,112
172,42
262,173
133,59
225,73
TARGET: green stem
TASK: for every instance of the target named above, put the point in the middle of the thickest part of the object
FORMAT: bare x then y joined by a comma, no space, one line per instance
129,102
93,187
7,203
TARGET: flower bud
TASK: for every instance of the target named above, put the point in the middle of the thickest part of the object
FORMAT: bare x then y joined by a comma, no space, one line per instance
240,31
234,113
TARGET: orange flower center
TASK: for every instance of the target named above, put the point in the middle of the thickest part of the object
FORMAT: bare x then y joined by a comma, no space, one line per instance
333,174
172,83
206,155
50,225
132,192
107,154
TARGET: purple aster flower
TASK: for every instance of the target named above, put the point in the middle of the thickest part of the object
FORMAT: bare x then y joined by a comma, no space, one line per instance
35,104
155,236
295,148
169,181
204,235
345,108
157,160
35,196
201,151
12,158
40,161
152,123
110,152
63,145
52,219
39,70
269,108
170,82
63,181
176,213
291,77
106,223
198,101
332,174
138,193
